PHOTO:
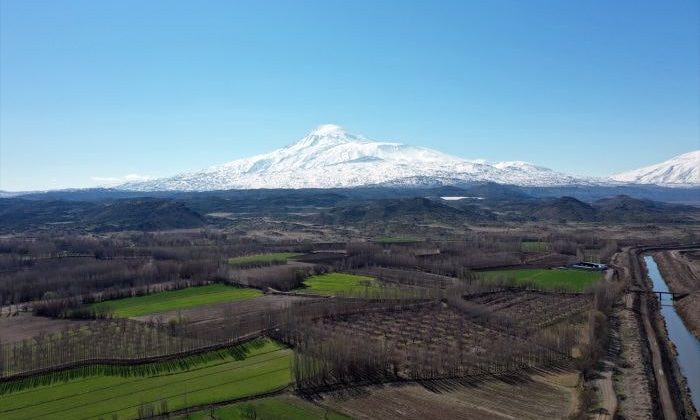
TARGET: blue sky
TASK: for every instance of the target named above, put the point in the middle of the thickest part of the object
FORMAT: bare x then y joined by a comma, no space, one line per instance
99,89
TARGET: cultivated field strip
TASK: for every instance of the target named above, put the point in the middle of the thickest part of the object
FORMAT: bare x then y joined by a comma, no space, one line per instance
174,299
492,399
533,310
265,369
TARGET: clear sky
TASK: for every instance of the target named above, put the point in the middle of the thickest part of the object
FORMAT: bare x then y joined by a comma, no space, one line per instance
94,90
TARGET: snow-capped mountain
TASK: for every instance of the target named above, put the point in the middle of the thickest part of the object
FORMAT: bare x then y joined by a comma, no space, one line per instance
682,170
330,157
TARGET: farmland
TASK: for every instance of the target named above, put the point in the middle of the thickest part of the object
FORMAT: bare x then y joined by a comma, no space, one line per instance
262,259
362,328
552,279
535,246
428,342
281,407
263,367
531,310
340,284
175,299
545,397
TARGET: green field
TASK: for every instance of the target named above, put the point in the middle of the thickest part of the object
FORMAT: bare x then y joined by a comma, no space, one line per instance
264,367
175,299
558,279
535,246
283,407
262,258
340,284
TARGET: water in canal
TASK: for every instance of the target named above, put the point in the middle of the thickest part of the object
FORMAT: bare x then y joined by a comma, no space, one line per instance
687,345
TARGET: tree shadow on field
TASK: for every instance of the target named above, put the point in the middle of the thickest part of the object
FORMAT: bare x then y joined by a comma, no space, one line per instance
344,392
348,392
520,377
440,386
241,351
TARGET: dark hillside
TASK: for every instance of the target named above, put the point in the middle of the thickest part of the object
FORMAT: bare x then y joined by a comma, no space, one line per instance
564,208
143,214
18,214
416,209
623,208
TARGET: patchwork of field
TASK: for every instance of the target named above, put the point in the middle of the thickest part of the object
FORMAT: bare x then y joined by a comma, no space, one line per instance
286,407
408,278
433,341
254,306
340,284
554,279
175,299
261,367
273,258
532,310
509,398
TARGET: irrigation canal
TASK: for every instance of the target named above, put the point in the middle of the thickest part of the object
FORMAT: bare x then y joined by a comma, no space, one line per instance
687,346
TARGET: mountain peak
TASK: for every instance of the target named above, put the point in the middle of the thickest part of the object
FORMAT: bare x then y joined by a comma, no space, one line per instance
328,130
679,170
326,135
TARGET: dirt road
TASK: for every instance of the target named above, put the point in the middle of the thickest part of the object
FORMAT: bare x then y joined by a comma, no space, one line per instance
604,384
606,392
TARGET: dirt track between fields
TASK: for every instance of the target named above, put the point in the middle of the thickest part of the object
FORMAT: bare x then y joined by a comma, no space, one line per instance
604,384
608,399
633,379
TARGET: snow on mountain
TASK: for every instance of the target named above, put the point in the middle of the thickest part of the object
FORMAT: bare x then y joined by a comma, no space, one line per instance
682,170
330,157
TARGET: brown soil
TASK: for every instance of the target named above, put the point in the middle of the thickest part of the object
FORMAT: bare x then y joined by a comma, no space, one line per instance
538,397
634,377
26,325
632,388
682,274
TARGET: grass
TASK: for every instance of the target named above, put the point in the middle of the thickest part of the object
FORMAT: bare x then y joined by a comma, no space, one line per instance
175,299
238,352
340,284
283,407
535,246
265,367
277,257
556,279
